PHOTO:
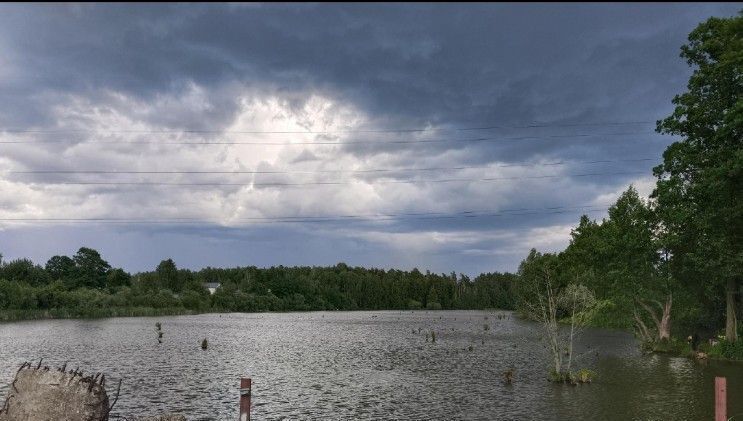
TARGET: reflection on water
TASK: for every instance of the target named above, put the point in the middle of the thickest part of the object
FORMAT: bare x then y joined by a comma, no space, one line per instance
366,365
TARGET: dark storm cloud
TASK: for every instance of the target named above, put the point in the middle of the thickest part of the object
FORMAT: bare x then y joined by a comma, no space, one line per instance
406,64
401,65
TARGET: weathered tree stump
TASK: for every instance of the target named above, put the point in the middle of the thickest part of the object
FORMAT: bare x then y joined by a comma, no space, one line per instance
40,394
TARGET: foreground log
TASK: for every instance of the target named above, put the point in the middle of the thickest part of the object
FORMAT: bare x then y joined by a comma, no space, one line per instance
40,393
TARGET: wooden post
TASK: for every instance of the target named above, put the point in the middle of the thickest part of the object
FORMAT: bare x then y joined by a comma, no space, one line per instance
721,399
245,386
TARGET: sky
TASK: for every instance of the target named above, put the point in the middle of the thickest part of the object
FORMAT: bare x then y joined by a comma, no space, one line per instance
444,137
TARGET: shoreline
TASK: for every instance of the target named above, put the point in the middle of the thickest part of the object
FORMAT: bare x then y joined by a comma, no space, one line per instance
8,316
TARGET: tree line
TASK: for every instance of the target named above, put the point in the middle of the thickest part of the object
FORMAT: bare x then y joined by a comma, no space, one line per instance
86,284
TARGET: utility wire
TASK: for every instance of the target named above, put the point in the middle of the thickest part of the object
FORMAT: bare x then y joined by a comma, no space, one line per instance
407,130
295,219
321,142
363,171
327,183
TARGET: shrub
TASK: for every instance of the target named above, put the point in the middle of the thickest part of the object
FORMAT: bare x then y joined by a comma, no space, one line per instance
727,349
414,305
433,305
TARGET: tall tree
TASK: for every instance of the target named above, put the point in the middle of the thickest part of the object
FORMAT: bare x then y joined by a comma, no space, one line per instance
618,259
60,267
90,268
700,182
167,274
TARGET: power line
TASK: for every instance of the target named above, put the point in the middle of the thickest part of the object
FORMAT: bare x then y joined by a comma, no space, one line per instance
406,130
289,143
329,183
330,218
384,170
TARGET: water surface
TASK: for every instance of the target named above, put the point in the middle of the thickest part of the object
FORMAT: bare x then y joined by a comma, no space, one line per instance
366,365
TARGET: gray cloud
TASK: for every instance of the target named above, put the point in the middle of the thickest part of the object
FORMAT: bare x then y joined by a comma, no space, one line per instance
93,74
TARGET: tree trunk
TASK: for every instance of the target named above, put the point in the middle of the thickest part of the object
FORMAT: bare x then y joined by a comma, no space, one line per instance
662,323
664,328
642,329
731,322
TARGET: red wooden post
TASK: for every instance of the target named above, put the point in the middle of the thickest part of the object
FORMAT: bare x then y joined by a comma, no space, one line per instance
721,404
245,386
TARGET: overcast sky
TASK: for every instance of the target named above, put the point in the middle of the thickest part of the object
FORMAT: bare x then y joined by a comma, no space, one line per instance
526,115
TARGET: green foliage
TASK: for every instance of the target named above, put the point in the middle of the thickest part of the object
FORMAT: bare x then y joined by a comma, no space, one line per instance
700,181
617,258
90,269
602,314
60,267
86,285
432,305
24,270
583,375
414,305
167,275
674,346
727,349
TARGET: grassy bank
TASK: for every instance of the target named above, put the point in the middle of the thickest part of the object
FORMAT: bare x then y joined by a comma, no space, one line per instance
90,313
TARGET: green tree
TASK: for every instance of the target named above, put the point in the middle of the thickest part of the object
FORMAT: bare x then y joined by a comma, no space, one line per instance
619,259
167,274
117,278
60,267
90,268
700,182
24,270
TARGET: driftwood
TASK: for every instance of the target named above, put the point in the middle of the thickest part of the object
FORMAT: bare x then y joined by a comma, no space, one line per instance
39,393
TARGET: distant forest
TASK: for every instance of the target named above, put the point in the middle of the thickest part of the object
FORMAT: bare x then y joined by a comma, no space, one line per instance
85,285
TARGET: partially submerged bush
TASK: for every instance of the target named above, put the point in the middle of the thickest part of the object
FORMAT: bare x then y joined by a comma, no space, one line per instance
583,375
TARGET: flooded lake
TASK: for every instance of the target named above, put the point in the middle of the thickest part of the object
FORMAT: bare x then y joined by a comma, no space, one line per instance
366,365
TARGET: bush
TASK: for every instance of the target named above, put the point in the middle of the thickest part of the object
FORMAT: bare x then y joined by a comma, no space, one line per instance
727,349
583,375
432,305
414,305
673,346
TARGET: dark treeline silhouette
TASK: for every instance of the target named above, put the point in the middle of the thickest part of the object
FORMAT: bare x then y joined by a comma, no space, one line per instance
86,285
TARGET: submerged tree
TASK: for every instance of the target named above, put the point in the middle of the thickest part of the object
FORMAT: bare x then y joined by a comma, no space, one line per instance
543,300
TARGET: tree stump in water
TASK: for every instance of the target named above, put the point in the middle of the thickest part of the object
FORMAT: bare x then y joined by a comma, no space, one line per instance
39,393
